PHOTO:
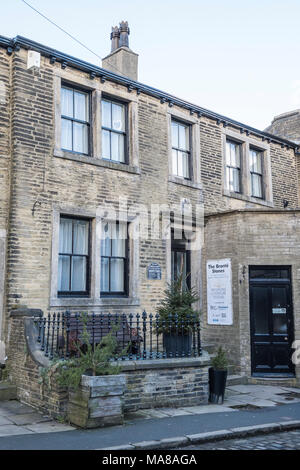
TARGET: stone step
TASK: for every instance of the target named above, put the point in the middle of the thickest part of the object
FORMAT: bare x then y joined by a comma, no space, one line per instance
8,391
236,379
275,381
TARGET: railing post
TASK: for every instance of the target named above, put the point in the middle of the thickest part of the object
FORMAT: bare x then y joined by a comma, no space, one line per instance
150,326
199,338
48,335
138,332
68,334
124,324
194,337
157,334
130,336
190,334
93,330
57,333
43,334
144,334
170,330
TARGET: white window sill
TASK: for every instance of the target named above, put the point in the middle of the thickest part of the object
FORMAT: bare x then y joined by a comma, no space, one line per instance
244,197
96,161
92,302
184,182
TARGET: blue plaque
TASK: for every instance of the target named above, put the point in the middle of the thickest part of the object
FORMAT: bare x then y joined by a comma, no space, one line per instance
154,271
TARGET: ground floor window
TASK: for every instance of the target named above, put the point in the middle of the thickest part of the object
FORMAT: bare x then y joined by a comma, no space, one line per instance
73,261
114,259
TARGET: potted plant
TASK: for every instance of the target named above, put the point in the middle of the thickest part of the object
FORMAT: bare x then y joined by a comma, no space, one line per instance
177,318
217,376
95,385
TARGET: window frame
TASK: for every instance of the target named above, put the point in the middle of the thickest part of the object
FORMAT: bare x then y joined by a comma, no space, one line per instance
70,293
125,133
261,175
240,168
189,152
87,123
126,259
248,141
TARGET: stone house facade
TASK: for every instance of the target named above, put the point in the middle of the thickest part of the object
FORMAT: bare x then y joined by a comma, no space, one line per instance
79,142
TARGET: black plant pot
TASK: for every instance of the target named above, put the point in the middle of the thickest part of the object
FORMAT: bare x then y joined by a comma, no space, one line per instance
177,345
217,384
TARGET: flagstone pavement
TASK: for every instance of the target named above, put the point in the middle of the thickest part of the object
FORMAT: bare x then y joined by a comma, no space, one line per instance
17,418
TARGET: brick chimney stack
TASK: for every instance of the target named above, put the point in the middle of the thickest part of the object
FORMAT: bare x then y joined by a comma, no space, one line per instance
121,60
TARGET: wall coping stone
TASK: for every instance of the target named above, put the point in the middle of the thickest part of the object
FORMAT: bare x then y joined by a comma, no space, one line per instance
249,210
169,363
26,312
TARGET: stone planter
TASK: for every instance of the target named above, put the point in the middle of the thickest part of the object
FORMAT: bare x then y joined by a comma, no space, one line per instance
98,402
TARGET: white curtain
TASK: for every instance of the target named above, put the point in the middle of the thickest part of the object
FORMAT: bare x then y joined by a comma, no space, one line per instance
183,137
118,240
117,275
67,102
78,274
63,273
118,117
256,181
80,247
117,147
106,144
65,236
106,114
113,246
81,106
104,274
80,137
66,134
174,158
80,242
175,137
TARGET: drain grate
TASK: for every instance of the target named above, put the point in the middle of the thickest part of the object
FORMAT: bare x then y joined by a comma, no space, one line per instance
289,395
247,406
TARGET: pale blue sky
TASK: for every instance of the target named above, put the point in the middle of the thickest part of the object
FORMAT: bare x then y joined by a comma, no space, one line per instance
238,58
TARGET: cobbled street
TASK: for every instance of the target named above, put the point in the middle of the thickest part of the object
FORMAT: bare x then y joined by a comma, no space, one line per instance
278,441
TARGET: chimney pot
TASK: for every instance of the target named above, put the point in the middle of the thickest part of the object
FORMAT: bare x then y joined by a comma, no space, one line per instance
115,37
121,60
124,33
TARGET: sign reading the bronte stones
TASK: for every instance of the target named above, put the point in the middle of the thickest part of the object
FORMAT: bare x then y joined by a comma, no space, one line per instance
154,271
219,292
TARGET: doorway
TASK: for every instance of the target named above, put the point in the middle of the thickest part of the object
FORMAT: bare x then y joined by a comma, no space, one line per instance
271,319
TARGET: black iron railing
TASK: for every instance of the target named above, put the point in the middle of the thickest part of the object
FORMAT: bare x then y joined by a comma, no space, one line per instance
139,336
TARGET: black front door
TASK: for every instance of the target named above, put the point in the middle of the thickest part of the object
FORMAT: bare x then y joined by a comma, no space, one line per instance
271,320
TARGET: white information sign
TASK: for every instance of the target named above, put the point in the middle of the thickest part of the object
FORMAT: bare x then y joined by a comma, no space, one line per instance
219,292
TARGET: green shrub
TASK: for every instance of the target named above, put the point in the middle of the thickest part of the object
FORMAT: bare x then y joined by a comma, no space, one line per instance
220,362
177,301
92,359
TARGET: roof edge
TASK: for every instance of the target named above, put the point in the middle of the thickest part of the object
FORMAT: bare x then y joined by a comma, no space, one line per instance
55,55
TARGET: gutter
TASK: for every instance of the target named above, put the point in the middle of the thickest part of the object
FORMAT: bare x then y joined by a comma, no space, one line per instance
67,60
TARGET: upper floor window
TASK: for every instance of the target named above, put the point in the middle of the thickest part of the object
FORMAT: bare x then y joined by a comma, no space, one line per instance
233,166
181,149
114,259
113,130
73,263
75,120
256,172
